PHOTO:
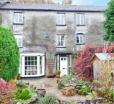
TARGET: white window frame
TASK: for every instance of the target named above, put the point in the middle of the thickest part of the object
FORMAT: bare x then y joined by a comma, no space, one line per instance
18,18
81,38
18,29
38,55
61,19
19,40
59,41
80,19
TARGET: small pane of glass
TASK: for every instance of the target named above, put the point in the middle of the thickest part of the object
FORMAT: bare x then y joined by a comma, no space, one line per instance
30,65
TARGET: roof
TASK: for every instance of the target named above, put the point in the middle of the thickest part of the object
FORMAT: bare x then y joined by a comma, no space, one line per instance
52,7
102,56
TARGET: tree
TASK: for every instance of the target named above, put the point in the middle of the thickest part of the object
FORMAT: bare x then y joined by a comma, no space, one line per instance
83,65
109,22
9,55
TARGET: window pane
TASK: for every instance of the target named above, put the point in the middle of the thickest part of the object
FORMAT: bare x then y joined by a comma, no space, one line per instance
61,19
77,39
60,40
80,19
40,64
80,38
30,65
19,39
18,29
18,17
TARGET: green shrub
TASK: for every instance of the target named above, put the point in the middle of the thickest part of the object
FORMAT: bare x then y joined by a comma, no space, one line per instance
84,90
9,55
48,100
67,79
22,94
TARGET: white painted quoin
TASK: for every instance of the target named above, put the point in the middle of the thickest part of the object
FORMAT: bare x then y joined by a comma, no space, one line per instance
32,65
64,65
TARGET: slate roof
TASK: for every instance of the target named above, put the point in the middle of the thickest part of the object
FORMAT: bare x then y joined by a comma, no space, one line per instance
51,7
103,56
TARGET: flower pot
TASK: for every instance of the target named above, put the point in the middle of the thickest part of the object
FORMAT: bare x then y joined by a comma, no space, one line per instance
57,76
91,102
41,92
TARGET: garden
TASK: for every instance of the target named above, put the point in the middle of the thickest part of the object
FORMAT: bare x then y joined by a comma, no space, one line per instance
82,81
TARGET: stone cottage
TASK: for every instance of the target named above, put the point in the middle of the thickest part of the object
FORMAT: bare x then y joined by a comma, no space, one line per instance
48,34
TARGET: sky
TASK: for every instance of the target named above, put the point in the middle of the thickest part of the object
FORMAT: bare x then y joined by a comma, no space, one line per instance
89,2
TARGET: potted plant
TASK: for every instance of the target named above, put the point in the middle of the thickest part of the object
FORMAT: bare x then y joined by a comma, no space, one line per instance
58,72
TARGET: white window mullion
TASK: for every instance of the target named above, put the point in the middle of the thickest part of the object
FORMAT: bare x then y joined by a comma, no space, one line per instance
38,65
43,65
22,66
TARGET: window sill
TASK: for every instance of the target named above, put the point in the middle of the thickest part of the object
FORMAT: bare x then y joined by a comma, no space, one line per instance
61,25
60,47
80,25
20,46
80,44
18,23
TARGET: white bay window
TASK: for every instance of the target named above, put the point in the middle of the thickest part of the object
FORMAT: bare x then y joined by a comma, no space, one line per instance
32,65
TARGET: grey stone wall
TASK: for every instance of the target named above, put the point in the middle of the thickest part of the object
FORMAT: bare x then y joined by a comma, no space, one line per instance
40,29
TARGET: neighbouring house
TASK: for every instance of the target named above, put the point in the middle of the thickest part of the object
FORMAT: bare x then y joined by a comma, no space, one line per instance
48,34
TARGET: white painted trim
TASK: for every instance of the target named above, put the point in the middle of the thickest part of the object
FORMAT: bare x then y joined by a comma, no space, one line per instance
33,54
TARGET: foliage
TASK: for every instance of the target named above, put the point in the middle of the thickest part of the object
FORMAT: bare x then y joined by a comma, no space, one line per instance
109,22
69,91
83,64
21,83
84,90
67,79
48,100
107,93
22,93
92,95
6,87
9,55
58,72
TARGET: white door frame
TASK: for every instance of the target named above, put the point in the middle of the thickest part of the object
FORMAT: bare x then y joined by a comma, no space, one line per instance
64,67
22,66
